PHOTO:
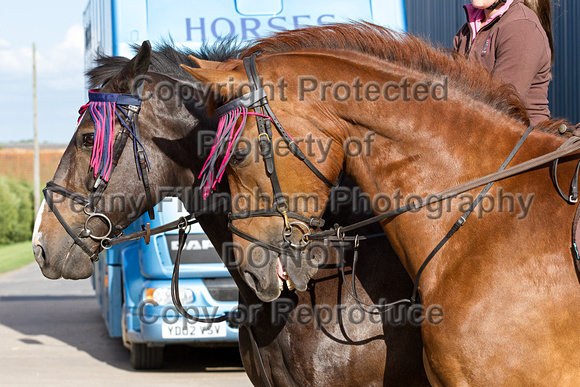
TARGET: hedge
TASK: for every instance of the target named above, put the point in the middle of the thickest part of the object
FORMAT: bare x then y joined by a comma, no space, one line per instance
16,211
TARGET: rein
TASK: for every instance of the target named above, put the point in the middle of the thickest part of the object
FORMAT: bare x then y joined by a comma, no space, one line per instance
460,222
569,146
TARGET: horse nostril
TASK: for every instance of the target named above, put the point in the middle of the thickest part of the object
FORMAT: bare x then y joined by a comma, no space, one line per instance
251,279
39,254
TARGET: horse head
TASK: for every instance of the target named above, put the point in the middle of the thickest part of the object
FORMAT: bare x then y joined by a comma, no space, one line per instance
122,159
272,214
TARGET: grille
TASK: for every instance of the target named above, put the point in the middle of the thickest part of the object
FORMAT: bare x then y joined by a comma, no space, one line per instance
197,249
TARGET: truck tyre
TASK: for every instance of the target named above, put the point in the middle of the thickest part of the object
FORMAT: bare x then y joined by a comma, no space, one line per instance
146,358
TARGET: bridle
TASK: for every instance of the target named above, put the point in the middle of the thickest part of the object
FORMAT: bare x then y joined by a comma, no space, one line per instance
257,100
125,108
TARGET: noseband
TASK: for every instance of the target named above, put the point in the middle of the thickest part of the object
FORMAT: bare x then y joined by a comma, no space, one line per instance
257,100
125,107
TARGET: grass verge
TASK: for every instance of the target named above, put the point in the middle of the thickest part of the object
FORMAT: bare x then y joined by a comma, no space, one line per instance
15,256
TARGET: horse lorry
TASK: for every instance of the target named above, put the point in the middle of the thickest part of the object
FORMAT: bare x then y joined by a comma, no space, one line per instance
132,280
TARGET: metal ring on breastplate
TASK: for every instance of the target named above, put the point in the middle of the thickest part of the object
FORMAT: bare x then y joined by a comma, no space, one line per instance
339,234
182,225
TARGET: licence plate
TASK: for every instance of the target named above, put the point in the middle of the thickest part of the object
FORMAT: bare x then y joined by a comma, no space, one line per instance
193,330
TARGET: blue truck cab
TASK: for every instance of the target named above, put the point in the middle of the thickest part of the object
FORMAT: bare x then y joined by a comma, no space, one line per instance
133,280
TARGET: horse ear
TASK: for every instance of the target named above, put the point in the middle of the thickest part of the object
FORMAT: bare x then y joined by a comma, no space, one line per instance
131,76
216,79
207,75
204,64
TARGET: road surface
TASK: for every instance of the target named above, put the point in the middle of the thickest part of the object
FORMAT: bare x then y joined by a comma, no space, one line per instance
52,334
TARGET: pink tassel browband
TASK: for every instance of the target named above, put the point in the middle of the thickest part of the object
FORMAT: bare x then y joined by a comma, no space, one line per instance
103,114
225,142
102,107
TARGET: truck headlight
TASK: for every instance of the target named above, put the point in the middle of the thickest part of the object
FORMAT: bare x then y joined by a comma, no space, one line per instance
162,296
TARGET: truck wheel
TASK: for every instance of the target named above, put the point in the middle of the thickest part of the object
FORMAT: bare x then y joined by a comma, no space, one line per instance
146,358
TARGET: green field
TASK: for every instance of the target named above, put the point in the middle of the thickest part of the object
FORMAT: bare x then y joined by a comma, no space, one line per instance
15,256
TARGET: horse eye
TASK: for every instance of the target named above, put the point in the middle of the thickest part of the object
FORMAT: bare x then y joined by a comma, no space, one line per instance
88,139
239,155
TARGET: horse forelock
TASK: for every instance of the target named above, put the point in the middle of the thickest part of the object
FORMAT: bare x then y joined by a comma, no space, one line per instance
405,50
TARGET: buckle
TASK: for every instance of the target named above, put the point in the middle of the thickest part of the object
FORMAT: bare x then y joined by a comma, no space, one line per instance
133,108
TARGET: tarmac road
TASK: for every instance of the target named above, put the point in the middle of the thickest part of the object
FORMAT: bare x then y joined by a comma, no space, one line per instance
52,334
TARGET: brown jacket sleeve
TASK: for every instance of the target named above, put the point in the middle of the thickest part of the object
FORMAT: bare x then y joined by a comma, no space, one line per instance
517,57
460,41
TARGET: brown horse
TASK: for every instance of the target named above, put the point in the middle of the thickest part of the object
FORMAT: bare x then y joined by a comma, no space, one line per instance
313,337
506,281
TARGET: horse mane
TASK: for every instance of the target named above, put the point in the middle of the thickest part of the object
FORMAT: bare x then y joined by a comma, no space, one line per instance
166,59
402,49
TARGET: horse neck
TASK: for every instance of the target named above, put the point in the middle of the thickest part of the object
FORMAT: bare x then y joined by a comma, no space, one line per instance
422,148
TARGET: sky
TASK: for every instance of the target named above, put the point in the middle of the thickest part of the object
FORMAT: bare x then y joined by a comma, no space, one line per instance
55,27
